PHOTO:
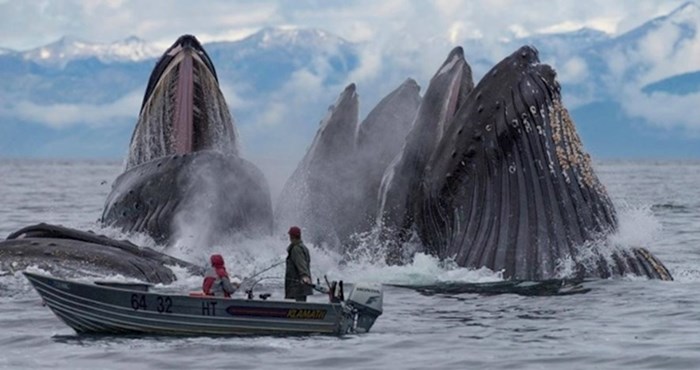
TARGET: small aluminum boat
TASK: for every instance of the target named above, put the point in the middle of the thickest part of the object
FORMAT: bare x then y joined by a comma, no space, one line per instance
123,308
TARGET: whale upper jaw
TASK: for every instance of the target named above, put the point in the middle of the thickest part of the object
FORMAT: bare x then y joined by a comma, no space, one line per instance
183,43
183,109
183,162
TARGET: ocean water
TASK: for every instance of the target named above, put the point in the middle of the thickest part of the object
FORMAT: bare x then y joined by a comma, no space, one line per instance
628,323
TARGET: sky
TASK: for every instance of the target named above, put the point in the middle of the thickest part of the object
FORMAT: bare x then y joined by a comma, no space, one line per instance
380,26
28,24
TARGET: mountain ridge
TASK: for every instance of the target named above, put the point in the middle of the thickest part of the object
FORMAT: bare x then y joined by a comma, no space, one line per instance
279,81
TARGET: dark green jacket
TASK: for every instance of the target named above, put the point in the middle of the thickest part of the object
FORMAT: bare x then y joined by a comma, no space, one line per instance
298,266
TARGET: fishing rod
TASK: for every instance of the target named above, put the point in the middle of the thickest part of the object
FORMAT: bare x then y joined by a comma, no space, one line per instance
315,287
263,270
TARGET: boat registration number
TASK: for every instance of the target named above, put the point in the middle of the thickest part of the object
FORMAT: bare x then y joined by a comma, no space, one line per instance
162,304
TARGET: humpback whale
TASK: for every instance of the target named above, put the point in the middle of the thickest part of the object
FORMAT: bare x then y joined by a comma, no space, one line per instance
493,176
510,187
312,195
446,93
332,188
184,181
184,177
63,250
379,139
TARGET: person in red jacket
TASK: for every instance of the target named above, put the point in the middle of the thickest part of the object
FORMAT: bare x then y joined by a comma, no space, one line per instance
217,282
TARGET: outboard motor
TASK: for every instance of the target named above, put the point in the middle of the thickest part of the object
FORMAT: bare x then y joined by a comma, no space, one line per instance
366,299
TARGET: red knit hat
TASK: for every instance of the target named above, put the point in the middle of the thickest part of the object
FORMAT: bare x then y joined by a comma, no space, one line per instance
217,260
295,232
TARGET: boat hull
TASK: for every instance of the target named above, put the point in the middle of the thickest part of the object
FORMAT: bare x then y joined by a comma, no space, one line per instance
95,309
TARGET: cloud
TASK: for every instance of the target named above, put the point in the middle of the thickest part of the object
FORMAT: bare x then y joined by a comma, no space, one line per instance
669,53
277,128
66,115
28,24
605,24
574,70
663,50
277,150
397,39
234,98
663,110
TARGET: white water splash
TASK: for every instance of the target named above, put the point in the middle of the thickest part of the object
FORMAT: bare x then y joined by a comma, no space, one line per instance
245,257
637,226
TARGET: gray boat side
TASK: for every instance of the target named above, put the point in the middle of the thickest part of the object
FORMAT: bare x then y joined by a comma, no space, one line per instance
91,308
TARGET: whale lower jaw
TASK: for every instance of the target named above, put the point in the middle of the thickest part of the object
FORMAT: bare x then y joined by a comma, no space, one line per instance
208,194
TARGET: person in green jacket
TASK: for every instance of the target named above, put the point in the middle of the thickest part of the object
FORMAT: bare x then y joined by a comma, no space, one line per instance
297,279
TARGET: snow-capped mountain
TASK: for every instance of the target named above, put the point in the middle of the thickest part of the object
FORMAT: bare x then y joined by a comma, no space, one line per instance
271,37
663,47
68,49
267,59
74,90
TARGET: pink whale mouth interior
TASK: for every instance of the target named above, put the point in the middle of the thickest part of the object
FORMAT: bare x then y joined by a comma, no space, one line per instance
183,130
183,110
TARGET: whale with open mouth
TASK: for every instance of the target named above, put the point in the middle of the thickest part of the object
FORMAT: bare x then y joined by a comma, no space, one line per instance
490,176
446,93
185,180
510,187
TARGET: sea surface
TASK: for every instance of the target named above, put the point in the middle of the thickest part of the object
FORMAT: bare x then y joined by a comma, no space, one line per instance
628,323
